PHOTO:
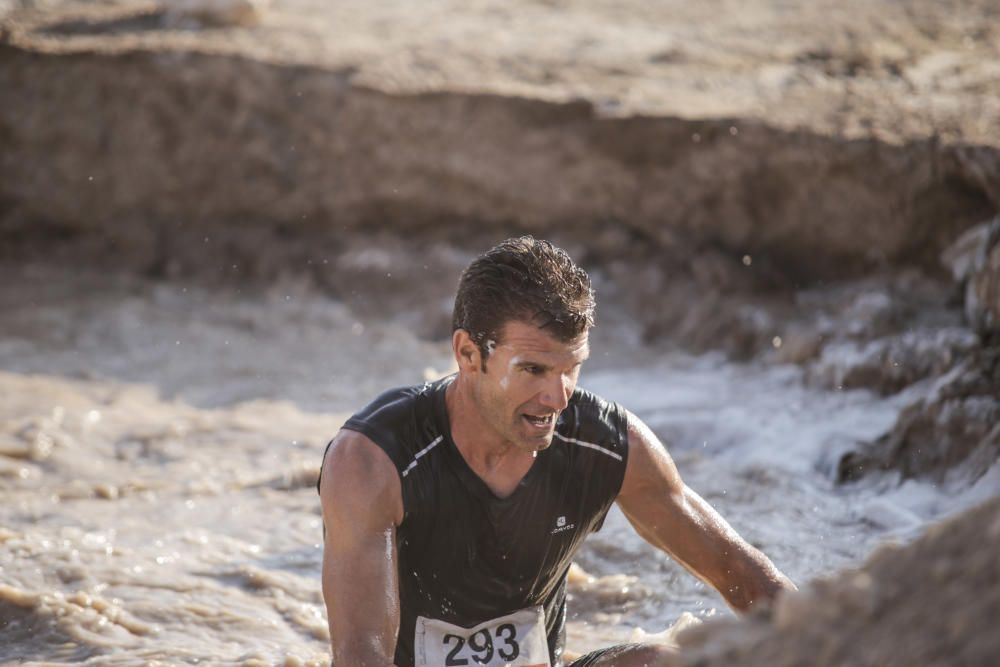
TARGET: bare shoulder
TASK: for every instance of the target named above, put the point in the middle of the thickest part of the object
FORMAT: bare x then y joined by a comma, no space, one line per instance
359,481
649,463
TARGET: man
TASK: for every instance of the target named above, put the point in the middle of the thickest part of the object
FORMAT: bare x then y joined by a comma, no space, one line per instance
452,510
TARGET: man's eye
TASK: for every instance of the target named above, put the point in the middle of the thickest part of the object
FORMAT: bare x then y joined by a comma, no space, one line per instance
534,370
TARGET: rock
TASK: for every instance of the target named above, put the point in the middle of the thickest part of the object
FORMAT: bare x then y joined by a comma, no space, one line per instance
980,165
890,364
933,602
712,321
982,297
872,313
963,256
974,260
953,430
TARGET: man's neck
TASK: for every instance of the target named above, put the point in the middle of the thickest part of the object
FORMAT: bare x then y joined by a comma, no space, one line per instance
479,444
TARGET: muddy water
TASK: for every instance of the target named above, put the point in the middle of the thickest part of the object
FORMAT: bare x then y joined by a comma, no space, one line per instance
158,445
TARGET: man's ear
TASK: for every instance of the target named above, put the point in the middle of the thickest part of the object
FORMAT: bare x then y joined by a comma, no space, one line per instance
467,353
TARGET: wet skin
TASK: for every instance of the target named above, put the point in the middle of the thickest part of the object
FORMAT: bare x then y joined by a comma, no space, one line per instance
503,409
502,412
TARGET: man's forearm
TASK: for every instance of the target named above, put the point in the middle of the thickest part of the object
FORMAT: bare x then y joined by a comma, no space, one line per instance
754,580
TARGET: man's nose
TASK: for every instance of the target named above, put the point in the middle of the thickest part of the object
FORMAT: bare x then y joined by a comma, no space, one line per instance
556,393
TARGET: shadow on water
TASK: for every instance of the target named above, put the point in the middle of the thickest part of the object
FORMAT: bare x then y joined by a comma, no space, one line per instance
25,635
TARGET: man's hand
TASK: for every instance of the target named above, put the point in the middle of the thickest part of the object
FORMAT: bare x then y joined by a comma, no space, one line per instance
672,517
362,505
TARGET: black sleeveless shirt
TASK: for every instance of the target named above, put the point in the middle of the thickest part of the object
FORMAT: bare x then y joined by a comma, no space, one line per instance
466,556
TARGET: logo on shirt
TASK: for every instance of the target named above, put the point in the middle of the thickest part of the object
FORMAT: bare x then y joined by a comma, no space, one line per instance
562,526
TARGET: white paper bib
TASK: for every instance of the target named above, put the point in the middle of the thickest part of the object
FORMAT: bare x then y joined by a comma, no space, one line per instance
515,640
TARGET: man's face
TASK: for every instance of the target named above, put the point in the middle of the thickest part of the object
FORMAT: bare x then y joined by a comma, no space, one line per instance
528,380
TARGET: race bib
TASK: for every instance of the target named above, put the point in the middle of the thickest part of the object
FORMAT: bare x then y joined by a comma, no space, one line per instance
515,640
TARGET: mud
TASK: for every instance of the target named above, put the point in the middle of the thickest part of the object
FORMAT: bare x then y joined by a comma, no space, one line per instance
136,144
954,430
929,603
218,240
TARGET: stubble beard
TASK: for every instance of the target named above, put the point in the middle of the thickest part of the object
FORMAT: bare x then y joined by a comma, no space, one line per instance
511,426
524,439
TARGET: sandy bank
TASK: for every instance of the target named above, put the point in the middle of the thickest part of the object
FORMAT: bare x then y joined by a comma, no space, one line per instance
836,149
929,603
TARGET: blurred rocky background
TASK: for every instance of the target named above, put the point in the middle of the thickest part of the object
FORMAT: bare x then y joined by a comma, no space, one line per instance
812,183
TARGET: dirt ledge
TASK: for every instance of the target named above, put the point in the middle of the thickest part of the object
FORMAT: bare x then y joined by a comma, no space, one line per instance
135,145
825,140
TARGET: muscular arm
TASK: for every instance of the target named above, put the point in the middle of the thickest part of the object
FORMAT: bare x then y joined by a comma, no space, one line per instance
669,515
362,505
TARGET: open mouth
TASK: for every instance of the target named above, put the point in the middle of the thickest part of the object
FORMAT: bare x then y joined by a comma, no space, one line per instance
542,423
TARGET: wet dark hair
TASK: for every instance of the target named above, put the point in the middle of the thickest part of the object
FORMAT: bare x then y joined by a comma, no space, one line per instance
523,279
